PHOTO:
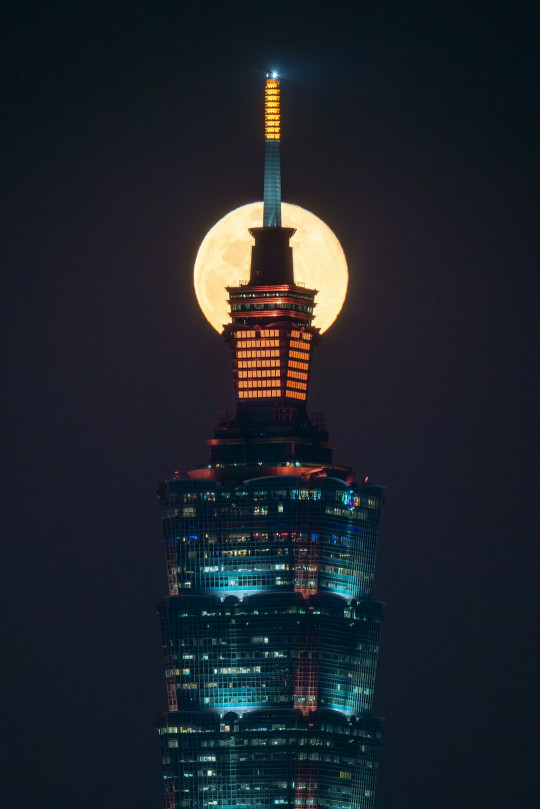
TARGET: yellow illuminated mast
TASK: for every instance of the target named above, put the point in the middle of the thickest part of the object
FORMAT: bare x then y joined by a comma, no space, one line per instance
272,113
272,170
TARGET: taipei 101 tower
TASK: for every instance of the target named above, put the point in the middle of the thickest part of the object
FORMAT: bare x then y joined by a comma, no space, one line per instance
269,631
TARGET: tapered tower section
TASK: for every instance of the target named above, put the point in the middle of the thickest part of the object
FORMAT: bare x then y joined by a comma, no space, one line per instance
269,631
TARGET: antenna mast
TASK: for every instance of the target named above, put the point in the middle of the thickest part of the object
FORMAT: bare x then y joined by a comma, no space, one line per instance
272,170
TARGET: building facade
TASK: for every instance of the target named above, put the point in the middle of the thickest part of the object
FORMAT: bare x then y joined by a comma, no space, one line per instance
269,631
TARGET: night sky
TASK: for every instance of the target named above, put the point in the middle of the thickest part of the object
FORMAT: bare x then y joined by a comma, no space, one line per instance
128,130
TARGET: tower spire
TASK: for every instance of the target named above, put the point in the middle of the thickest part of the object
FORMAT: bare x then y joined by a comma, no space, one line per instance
272,170
270,553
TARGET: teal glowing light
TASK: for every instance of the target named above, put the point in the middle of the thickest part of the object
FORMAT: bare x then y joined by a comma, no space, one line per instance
350,499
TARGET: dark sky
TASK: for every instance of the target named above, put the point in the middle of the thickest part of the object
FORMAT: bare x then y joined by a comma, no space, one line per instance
129,129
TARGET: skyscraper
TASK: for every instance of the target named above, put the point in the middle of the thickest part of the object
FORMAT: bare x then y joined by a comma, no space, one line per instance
269,631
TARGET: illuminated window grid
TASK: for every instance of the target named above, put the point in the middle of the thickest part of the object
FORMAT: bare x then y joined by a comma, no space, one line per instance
347,677
259,383
347,536
232,664
268,374
303,366
243,355
291,383
266,343
258,374
259,364
294,394
297,375
326,657
217,764
350,576
300,335
252,334
299,355
265,393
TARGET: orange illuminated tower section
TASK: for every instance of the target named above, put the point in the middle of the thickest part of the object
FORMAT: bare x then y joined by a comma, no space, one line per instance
271,335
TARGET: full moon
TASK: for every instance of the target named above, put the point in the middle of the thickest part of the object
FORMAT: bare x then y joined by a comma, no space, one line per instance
224,259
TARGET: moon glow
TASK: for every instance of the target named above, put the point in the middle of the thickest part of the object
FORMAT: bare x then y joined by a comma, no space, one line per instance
224,260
